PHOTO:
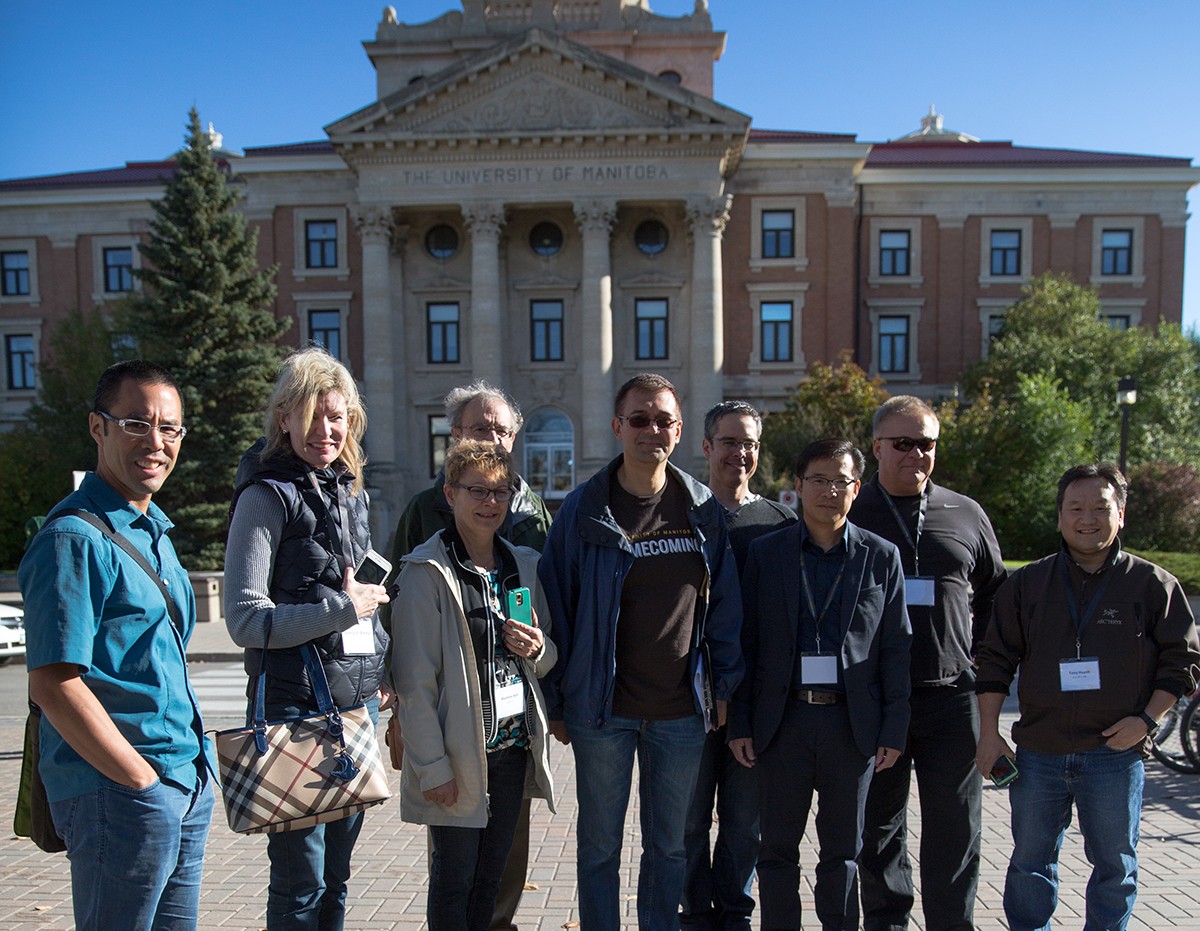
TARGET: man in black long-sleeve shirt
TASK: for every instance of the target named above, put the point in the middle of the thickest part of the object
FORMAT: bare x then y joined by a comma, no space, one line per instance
952,568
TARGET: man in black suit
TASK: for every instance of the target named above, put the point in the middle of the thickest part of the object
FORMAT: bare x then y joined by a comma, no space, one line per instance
824,703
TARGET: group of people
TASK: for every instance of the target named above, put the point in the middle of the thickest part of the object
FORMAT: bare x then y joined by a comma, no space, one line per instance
747,657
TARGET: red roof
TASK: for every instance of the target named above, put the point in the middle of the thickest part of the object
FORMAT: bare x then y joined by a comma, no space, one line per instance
320,147
134,173
954,154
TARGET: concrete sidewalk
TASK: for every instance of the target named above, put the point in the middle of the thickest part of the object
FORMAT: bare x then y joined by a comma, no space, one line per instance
389,886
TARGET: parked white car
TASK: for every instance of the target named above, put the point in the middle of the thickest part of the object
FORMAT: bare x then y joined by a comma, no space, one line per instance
12,632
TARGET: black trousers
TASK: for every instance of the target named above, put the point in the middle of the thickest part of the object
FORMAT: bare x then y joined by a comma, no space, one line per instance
812,753
941,748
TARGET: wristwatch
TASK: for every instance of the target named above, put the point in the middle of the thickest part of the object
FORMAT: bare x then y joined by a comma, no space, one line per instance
1151,724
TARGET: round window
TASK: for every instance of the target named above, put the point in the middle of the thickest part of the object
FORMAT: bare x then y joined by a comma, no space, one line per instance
650,237
671,77
545,239
441,241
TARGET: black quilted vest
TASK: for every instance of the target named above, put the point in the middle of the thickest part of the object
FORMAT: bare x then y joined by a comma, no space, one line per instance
308,568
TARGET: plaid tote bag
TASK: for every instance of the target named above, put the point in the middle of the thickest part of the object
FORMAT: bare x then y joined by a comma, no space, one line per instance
296,773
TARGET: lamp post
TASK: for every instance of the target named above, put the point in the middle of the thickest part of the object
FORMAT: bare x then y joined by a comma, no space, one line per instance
1126,398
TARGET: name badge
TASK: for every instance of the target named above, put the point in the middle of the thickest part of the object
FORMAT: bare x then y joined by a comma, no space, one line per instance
918,590
359,640
1079,675
818,668
510,700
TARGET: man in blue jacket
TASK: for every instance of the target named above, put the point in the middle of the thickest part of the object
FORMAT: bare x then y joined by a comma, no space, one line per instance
643,590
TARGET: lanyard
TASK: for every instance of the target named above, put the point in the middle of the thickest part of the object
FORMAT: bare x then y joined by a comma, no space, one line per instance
1073,603
908,537
810,601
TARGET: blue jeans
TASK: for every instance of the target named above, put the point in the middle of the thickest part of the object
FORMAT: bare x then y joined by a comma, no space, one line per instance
668,755
467,863
136,856
310,867
716,891
1106,787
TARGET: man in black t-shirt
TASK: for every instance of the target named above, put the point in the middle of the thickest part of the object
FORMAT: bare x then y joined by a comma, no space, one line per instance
716,892
643,593
952,568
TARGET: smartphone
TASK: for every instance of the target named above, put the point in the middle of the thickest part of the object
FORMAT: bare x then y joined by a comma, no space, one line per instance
519,607
1004,771
373,569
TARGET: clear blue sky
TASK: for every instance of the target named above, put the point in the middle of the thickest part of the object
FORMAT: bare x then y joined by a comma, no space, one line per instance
93,85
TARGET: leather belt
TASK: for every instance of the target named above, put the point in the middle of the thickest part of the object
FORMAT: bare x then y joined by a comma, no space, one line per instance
818,698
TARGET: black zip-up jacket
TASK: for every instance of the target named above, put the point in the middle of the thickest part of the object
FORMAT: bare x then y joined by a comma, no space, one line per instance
309,567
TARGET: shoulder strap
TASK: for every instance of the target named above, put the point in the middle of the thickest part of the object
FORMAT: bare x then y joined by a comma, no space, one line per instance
123,542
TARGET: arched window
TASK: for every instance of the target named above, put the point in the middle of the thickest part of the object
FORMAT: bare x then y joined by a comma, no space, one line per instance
549,453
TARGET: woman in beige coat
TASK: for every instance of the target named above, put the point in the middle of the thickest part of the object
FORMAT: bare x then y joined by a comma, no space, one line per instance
470,707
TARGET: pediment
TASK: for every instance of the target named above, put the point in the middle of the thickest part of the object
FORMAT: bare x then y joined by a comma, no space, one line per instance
537,85
651,280
441,282
546,282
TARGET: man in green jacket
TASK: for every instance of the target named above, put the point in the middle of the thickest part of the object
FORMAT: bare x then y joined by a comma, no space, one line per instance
480,411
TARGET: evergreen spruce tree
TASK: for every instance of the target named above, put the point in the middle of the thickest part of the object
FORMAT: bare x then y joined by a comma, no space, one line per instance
203,316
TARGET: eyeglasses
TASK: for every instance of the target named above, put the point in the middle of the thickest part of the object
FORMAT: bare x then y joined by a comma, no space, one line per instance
823,485
485,431
906,444
483,492
729,444
171,432
642,421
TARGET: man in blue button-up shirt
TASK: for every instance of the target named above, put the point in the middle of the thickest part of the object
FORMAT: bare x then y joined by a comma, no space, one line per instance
123,756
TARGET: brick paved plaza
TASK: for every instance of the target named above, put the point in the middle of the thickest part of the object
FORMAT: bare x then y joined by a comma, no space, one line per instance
388,890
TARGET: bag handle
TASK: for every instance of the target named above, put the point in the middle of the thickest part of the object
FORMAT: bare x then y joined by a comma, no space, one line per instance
346,769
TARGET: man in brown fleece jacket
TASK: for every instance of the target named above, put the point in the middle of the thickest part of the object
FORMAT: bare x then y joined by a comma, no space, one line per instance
1105,643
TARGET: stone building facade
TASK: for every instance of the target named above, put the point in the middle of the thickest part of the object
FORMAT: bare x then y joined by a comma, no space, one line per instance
544,194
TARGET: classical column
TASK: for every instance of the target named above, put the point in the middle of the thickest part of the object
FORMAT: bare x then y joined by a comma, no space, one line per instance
383,358
595,219
484,222
706,358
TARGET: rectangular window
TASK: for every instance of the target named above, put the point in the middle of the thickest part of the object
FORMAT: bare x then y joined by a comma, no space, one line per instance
18,354
320,243
895,253
1006,252
651,314
995,326
546,331
14,267
1116,252
778,234
1118,321
776,322
439,442
325,329
893,344
443,332
118,269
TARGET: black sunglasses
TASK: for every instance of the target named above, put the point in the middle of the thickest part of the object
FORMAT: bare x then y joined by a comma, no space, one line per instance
906,444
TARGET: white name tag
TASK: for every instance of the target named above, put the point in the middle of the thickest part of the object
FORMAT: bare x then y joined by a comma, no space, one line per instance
510,700
1079,675
818,669
359,640
918,590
